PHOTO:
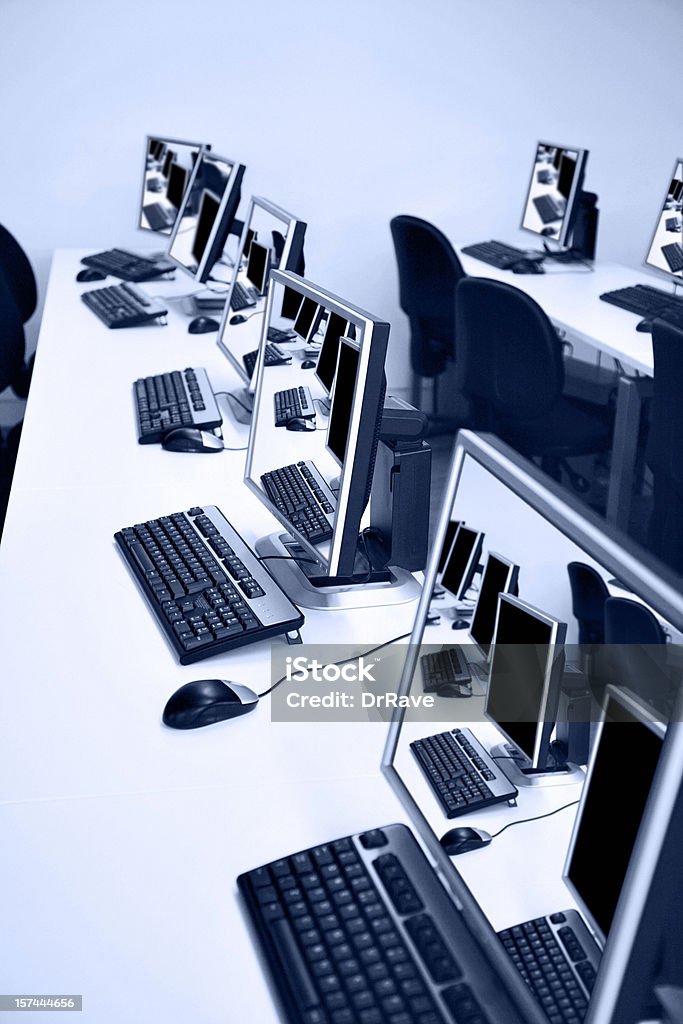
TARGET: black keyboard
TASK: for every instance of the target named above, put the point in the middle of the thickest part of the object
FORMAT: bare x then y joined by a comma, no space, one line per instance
243,297
159,217
359,931
176,399
673,224
208,590
558,959
673,254
128,266
123,305
643,299
301,495
274,356
460,772
549,208
443,667
496,254
294,403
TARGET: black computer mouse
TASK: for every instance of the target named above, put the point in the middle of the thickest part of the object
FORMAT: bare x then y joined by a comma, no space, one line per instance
300,424
202,325
527,267
90,274
463,839
461,624
309,364
644,326
206,701
548,232
238,319
191,439
454,690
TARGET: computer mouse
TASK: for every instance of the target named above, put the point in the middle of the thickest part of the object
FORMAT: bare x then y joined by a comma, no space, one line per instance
547,232
300,424
454,690
309,364
202,325
527,267
644,327
90,274
238,319
205,701
461,624
463,839
191,439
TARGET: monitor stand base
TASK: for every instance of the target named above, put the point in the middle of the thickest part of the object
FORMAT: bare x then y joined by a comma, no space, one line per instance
513,766
244,398
306,585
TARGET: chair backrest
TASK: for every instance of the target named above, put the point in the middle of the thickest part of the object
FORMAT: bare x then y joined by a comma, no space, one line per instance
18,273
665,445
589,594
635,654
11,336
509,353
428,272
629,622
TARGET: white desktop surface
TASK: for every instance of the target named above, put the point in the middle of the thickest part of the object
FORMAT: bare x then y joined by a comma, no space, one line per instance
122,839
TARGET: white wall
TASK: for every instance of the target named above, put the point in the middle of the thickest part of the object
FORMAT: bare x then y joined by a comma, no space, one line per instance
346,114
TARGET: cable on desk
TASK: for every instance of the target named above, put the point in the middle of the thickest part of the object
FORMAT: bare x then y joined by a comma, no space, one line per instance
344,661
259,312
229,394
526,821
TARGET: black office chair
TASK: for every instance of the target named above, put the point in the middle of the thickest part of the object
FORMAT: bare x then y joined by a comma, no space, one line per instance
589,594
428,272
18,300
664,453
511,369
635,646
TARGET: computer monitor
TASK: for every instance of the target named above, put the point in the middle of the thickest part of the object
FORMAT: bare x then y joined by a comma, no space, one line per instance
554,189
342,398
325,369
161,156
258,266
177,181
462,561
239,334
206,216
449,537
524,678
307,319
666,249
499,577
327,515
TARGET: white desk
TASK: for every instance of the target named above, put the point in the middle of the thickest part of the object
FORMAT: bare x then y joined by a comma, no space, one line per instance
122,839
570,295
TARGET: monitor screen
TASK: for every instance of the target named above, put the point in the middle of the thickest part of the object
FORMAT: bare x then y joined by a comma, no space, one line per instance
462,561
554,188
499,577
342,399
327,360
603,840
203,224
306,318
449,537
239,334
161,196
666,250
521,692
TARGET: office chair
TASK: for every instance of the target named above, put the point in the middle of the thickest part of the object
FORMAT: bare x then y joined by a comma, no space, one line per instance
589,593
511,369
635,646
18,300
428,272
664,452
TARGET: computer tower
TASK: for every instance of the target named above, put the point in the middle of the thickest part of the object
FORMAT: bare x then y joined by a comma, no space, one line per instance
399,509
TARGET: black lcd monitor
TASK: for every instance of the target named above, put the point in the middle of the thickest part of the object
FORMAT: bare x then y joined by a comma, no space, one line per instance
342,399
499,577
327,360
258,265
666,249
524,677
462,561
306,319
554,190
449,537
208,210
162,155
177,180
171,155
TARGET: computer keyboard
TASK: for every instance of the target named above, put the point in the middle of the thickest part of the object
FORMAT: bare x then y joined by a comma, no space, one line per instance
123,305
359,931
558,959
242,297
159,217
127,265
177,399
673,254
643,299
496,254
460,772
293,403
274,356
549,208
443,667
207,589
302,496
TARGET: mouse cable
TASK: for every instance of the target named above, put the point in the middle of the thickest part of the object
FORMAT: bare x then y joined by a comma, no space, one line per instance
229,394
259,312
525,821
344,661
243,449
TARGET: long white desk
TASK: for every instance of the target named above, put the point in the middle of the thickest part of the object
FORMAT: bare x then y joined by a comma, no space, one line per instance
121,839
570,295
